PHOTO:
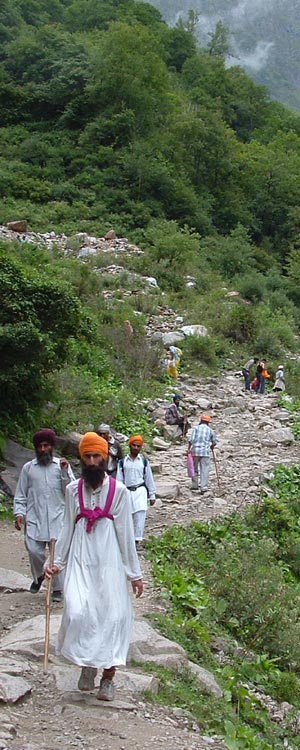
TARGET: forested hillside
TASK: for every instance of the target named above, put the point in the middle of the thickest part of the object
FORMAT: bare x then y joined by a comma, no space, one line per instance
263,37
112,119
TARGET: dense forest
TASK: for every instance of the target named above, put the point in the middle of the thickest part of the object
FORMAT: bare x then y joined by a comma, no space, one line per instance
112,119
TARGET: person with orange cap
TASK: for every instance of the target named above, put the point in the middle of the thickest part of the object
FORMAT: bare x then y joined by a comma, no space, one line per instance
39,504
202,440
135,471
96,548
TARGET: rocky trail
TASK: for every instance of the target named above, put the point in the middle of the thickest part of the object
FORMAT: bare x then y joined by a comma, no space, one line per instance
47,711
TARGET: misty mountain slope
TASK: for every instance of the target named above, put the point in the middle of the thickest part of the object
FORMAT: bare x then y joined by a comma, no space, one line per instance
265,38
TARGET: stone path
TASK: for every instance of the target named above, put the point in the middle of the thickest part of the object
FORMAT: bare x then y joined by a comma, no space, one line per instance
47,711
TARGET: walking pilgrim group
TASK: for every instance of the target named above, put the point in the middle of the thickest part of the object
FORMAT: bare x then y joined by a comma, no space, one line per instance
98,522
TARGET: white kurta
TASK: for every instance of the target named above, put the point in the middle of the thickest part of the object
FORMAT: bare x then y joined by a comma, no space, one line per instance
133,474
97,618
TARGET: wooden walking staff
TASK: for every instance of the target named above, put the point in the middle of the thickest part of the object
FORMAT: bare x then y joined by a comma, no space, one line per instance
48,600
216,467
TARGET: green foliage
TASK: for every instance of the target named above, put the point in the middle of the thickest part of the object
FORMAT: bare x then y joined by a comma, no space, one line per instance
37,318
252,286
235,579
239,323
201,349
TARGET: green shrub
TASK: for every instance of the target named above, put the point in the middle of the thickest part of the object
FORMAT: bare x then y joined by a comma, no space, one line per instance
201,349
252,286
238,323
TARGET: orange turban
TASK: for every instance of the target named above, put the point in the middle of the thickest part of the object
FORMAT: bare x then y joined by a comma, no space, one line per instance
93,443
136,439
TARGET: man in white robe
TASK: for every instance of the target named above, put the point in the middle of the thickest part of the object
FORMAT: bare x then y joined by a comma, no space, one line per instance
96,547
39,504
135,471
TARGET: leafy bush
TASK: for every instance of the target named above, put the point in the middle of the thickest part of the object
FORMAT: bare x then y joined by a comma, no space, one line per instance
252,286
201,349
238,323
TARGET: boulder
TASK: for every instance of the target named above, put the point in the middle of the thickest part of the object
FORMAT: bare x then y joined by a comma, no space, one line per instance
173,337
160,444
17,226
148,645
194,330
206,679
110,235
168,491
12,581
13,688
172,432
66,679
28,637
68,444
204,403
282,435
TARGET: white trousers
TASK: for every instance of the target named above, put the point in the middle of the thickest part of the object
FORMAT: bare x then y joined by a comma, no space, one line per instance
139,518
37,557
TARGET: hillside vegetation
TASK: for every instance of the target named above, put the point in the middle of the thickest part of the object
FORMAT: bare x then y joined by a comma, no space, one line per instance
111,119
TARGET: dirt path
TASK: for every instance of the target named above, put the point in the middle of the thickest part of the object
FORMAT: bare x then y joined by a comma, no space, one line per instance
247,450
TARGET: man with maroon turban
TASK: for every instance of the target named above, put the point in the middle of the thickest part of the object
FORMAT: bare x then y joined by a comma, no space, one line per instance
135,471
96,547
39,504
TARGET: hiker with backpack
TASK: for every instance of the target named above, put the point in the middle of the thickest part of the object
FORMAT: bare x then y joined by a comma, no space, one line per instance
115,450
173,355
135,472
97,550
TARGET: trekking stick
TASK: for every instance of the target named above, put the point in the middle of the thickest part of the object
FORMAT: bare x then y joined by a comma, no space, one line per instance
216,467
48,599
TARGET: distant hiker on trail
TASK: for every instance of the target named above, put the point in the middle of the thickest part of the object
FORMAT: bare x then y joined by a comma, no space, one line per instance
115,451
173,417
202,440
96,546
246,372
175,354
128,329
279,384
261,376
135,471
39,504
171,365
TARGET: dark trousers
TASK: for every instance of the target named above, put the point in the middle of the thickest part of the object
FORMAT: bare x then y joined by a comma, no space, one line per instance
247,379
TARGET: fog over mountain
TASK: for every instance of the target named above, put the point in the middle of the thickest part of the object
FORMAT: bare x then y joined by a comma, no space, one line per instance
264,38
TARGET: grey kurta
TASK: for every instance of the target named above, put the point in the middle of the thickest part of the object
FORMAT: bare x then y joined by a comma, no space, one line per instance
40,497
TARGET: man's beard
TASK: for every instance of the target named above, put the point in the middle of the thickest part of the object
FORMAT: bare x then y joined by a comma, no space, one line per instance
93,475
45,457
